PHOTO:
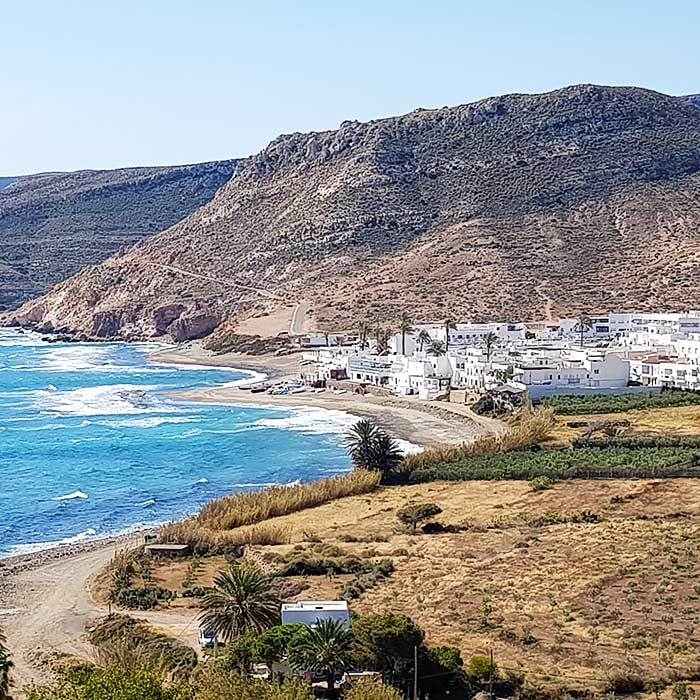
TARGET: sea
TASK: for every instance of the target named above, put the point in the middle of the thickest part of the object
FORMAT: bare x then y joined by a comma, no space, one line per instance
93,442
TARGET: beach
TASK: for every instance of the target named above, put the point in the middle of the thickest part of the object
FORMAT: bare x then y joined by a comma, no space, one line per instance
45,603
422,423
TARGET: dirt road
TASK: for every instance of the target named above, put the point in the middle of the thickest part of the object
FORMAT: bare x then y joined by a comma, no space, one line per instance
48,607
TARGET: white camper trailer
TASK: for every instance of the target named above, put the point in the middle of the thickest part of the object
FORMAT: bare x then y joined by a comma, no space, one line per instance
311,612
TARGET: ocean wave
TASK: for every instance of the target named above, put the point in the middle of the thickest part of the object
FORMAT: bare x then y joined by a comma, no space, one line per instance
202,481
71,496
88,535
151,422
106,400
147,503
311,421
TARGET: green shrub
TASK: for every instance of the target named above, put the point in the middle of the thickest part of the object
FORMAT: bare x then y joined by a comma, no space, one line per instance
412,515
480,669
582,463
580,404
145,598
541,483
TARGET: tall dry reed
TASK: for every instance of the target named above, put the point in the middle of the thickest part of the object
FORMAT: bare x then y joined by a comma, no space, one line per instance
533,428
233,521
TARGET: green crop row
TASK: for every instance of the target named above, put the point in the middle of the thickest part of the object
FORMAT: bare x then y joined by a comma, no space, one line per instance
582,463
580,404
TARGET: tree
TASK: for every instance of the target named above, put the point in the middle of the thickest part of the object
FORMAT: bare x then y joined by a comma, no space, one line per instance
325,649
5,668
480,669
450,325
503,375
363,331
275,644
423,338
371,448
405,326
382,336
436,348
386,643
412,515
242,601
582,325
490,341
113,683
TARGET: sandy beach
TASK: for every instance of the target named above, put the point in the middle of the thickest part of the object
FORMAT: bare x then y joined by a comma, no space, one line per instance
423,423
45,603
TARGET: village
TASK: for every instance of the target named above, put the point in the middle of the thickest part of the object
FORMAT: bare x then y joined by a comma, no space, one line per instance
605,353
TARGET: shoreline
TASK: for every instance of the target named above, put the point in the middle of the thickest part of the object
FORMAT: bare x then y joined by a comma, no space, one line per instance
45,602
422,423
417,423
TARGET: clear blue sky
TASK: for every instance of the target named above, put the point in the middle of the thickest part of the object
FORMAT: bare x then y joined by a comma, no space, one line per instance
93,84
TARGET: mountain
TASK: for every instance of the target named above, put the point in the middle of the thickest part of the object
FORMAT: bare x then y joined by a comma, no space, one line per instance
522,206
53,224
693,99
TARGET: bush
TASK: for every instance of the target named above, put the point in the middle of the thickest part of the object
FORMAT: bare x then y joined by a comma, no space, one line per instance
145,598
541,483
364,582
307,566
480,668
412,515
368,690
529,432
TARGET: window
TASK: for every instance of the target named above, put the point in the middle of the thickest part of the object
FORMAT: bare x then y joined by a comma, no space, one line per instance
596,371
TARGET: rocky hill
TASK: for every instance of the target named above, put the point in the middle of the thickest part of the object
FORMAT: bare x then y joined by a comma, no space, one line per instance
52,225
693,99
522,206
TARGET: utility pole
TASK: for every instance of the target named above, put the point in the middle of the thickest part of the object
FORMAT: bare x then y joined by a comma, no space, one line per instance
415,673
490,674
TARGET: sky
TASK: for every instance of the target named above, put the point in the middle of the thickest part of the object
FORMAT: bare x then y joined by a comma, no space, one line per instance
97,84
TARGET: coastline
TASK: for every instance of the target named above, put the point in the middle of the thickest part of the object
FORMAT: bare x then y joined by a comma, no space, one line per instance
45,604
423,423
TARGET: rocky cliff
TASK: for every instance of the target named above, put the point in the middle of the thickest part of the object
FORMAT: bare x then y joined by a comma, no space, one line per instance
521,206
54,224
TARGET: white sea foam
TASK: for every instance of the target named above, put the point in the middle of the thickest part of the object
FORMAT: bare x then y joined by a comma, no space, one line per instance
71,496
202,481
151,422
108,400
86,536
311,421
148,502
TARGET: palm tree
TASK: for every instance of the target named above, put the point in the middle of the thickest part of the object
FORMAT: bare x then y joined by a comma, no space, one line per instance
582,325
371,448
382,336
242,601
405,326
326,650
436,348
359,442
363,330
5,668
423,338
490,341
449,325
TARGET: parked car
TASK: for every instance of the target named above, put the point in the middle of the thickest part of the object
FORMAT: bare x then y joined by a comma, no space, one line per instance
208,639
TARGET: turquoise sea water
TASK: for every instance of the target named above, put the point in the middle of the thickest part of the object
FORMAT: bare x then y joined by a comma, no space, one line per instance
92,444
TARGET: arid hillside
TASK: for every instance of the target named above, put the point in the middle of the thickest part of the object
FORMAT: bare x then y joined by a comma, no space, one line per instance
52,225
520,206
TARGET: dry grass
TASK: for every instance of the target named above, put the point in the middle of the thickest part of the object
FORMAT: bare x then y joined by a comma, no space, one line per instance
569,600
532,429
679,420
233,521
